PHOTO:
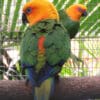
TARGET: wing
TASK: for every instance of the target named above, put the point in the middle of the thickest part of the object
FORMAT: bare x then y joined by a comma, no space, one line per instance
28,51
57,45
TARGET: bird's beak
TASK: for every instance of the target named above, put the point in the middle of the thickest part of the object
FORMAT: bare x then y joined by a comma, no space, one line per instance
24,19
84,13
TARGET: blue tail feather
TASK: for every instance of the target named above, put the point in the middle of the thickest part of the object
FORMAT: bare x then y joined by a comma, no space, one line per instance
32,76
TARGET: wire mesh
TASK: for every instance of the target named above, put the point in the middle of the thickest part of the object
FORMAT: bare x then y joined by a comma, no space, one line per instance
85,60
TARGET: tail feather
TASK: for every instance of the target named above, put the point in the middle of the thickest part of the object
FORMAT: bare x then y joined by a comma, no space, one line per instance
45,90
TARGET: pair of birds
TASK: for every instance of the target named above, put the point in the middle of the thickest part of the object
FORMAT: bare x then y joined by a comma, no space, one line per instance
45,46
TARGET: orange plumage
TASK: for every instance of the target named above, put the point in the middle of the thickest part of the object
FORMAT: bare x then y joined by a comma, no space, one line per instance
40,10
77,14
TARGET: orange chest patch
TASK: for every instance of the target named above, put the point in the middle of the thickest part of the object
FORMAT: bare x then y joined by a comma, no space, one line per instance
41,43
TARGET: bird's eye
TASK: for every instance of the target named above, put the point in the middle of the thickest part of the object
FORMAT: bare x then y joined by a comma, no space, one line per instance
28,10
80,10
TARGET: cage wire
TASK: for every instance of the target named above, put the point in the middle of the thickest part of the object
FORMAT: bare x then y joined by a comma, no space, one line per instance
86,60
85,47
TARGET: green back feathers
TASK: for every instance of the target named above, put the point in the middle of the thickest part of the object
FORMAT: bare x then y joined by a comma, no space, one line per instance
57,43
71,26
29,44
28,51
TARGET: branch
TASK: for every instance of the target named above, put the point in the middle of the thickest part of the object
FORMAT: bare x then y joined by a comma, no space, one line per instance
66,89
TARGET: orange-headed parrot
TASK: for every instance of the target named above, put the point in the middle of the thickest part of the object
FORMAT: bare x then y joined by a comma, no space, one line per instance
45,46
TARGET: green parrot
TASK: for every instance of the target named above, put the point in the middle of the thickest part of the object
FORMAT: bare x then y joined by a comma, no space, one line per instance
45,46
70,18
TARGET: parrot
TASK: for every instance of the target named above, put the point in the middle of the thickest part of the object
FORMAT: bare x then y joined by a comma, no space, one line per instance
44,48
70,18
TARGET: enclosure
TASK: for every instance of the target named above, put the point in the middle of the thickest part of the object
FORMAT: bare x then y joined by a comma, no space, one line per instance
85,47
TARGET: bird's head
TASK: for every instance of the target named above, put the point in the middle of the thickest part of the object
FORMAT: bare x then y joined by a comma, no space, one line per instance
76,11
37,10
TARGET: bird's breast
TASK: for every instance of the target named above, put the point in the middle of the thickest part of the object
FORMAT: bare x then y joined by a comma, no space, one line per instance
41,44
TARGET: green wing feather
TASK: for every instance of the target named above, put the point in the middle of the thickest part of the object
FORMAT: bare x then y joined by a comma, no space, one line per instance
28,51
57,45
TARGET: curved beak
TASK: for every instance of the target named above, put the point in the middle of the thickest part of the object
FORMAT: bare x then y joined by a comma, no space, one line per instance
24,19
84,13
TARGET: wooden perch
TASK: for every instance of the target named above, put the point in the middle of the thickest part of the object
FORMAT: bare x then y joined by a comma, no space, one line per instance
66,89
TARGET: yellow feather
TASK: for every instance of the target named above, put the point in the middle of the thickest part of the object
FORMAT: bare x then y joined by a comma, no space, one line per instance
44,90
